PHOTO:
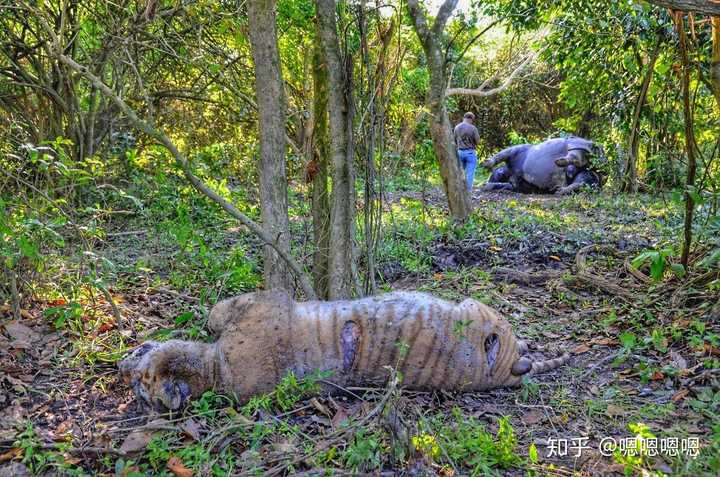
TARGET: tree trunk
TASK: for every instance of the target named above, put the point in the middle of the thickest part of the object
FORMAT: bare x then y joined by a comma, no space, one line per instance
370,91
689,140
715,61
342,212
319,174
585,125
440,128
271,118
630,175
444,146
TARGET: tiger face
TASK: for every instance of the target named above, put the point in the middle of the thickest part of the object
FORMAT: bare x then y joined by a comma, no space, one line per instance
150,372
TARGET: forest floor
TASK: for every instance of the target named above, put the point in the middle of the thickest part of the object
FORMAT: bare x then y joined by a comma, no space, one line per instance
644,370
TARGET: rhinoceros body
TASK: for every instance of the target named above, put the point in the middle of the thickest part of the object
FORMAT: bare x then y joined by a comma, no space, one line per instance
543,167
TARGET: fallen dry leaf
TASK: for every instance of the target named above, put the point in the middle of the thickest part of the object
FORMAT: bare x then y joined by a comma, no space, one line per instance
191,428
320,407
105,327
13,453
64,427
136,441
19,332
602,341
657,376
531,418
680,395
614,411
447,472
72,460
176,466
339,417
580,349
23,313
710,349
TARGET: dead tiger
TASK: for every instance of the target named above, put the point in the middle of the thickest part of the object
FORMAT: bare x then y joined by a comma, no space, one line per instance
263,336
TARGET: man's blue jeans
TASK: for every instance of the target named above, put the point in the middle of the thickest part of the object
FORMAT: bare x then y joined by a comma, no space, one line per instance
468,161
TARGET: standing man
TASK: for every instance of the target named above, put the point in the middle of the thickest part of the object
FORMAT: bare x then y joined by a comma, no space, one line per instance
466,140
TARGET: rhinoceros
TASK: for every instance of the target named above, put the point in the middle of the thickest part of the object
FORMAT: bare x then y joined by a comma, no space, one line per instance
560,165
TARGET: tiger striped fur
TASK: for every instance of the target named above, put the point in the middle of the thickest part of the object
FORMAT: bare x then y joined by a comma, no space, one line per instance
433,343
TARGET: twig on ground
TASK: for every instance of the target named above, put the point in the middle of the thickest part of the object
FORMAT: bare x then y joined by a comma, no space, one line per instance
128,232
597,364
583,273
113,306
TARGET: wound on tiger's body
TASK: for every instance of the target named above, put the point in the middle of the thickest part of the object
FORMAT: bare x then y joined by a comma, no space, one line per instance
349,339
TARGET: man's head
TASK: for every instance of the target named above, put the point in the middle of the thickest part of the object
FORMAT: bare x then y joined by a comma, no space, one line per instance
469,117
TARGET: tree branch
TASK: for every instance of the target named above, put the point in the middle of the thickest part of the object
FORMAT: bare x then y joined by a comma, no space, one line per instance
446,10
418,16
481,91
705,7
471,42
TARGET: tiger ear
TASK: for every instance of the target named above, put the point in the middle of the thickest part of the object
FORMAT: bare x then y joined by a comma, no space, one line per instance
175,394
129,365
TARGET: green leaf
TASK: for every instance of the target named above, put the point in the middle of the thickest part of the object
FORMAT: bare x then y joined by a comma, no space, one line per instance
627,339
28,249
657,267
678,269
60,321
659,341
184,318
643,257
52,311
533,454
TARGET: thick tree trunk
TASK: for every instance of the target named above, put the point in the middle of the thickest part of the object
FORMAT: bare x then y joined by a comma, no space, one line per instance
689,140
444,146
271,113
440,128
342,212
630,183
319,174
715,60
